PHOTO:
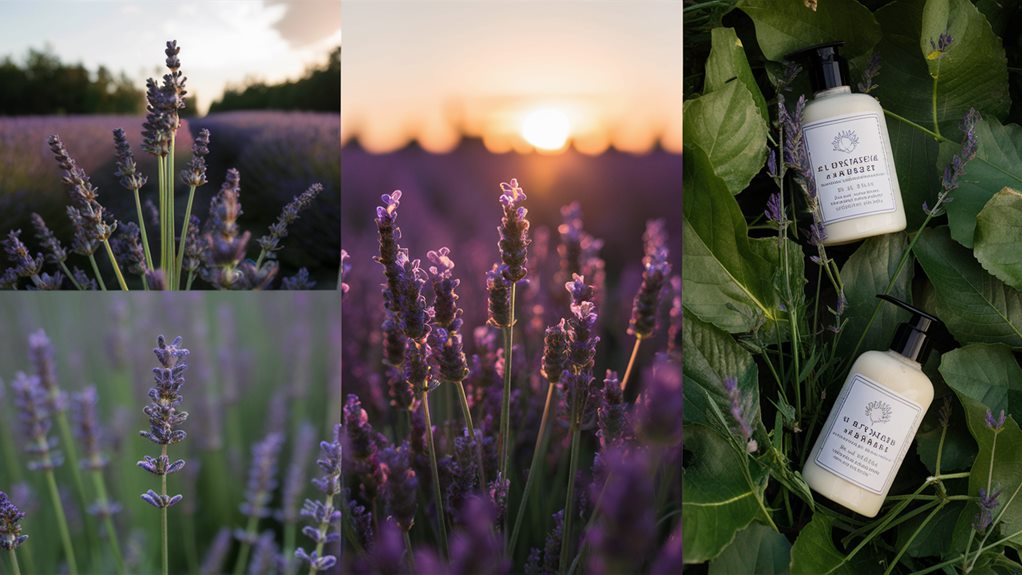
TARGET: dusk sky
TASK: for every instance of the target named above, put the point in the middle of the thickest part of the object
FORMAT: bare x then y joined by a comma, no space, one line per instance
222,41
599,72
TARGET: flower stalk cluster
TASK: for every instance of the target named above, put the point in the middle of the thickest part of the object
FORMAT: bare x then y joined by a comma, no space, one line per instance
323,513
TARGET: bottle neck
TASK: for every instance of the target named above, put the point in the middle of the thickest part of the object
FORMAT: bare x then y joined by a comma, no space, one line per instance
836,91
905,360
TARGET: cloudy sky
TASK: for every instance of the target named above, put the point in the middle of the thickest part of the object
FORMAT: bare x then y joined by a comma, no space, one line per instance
223,42
433,69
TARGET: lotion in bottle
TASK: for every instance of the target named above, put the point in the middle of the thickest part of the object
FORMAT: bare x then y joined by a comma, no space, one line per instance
850,156
874,420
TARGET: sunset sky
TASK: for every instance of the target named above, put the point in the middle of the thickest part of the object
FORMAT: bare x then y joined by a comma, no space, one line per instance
222,41
605,72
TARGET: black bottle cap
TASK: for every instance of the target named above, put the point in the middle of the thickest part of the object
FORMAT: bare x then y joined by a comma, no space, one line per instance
827,69
911,338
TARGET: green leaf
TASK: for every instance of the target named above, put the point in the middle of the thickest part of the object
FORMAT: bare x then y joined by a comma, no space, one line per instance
998,229
728,127
975,306
998,163
727,62
757,549
786,26
716,501
988,377
814,553
726,280
973,73
933,540
710,356
903,74
866,274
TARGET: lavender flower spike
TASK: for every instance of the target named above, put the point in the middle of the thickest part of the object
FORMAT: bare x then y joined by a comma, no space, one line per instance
647,300
996,424
10,528
36,415
164,416
514,230
738,413
270,243
323,514
262,481
194,173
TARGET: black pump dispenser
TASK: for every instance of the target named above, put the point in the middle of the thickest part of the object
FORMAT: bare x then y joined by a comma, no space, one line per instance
911,338
827,69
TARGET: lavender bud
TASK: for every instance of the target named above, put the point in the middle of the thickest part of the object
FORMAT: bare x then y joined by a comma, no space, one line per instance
647,300
613,423
294,483
449,355
270,243
498,289
162,411
88,428
264,555
194,173
33,407
555,351
299,281
988,503
129,251
738,412
262,476
773,208
217,554
195,249
24,264
126,169
514,231
869,75
400,485
41,353
445,306
995,424
10,528
225,243
54,251
323,513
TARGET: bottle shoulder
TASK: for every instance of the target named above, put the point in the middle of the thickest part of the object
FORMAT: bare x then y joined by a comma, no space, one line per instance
895,372
838,105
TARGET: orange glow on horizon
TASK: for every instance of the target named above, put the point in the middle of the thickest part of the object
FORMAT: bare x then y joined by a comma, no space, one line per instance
547,129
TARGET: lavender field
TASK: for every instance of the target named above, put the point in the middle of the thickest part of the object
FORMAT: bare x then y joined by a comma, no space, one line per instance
260,399
553,454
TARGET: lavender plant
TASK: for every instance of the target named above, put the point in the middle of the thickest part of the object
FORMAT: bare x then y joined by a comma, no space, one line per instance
541,388
164,420
181,258
10,530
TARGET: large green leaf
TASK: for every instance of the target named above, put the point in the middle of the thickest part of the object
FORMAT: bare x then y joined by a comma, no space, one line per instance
975,306
866,274
726,281
814,553
998,229
903,71
710,356
726,124
786,26
757,549
973,73
716,500
988,377
998,163
727,62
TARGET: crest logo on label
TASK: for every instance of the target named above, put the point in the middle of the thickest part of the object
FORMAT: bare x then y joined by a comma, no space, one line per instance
845,141
878,412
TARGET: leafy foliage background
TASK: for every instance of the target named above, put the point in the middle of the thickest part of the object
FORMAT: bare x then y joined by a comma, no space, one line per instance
785,319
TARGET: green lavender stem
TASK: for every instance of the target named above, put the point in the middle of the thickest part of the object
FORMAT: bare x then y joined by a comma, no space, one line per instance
70,276
58,507
542,439
246,548
172,279
505,408
141,227
104,500
117,268
184,232
95,270
631,363
438,500
67,439
163,519
191,552
162,173
569,502
14,562
411,555
467,414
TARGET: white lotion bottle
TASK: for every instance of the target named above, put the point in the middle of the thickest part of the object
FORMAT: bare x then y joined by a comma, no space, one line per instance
873,421
850,155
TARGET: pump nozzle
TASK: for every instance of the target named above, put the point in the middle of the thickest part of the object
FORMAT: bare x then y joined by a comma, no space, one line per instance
911,338
827,69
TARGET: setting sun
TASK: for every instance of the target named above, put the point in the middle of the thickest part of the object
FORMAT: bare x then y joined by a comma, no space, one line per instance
546,129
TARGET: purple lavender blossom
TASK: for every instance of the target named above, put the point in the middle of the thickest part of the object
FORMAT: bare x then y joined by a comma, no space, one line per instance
195,248
127,246
956,166
654,240
225,243
400,485
446,313
412,310
40,351
582,323
660,406
498,289
164,416
394,340
262,481
91,224
53,250
213,563
10,524
939,48
771,164
475,549
126,170
323,514
555,351
270,243
995,424
88,428
868,83
362,522
449,355
363,443
299,281
514,231
194,173
33,407
613,422
264,555
773,209
988,503
163,104
738,412
25,265
647,300
389,235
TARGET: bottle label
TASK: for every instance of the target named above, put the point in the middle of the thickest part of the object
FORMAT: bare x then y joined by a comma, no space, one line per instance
853,173
867,434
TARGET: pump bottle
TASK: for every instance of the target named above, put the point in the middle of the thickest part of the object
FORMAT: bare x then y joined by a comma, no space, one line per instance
874,420
850,155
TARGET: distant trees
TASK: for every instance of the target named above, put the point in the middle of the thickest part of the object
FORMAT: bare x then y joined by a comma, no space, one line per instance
42,84
319,90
